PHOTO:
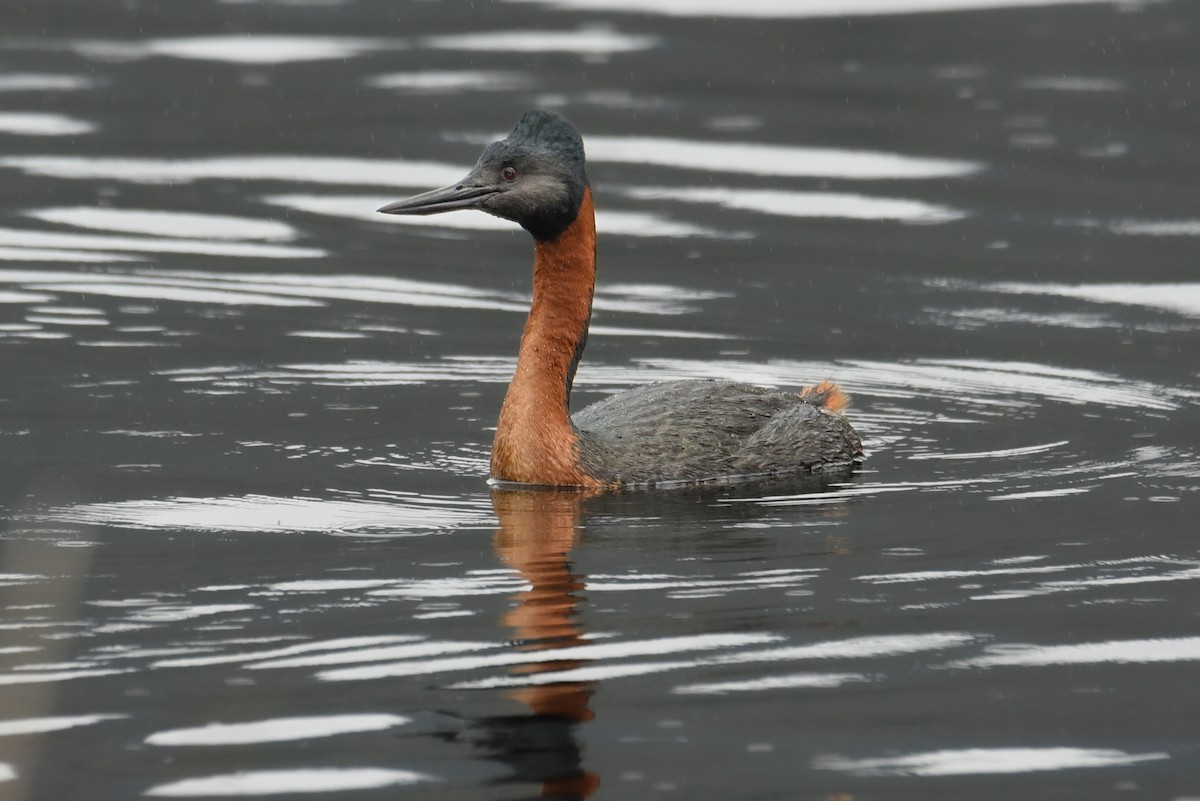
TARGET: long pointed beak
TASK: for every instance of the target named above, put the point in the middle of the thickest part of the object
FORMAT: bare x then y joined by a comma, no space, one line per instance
467,194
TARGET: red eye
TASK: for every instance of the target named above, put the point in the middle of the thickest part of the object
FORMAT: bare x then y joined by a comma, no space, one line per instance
509,173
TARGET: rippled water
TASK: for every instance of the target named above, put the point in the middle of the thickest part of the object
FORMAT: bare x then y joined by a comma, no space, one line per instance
248,545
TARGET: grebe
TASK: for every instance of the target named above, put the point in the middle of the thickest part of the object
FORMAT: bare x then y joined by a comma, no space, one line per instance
671,431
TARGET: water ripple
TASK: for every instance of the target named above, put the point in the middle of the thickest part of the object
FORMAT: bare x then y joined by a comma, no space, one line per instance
45,82
15,237
788,9
590,41
167,223
805,204
1180,298
970,761
275,730
244,49
13,727
296,780
1117,652
260,513
34,123
443,81
773,160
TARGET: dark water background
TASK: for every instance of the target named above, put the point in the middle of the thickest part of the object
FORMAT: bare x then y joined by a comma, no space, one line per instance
248,545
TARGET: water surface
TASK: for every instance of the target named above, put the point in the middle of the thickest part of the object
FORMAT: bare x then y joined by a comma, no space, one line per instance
248,544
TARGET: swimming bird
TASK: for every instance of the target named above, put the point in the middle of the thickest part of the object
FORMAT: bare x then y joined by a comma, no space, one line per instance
687,431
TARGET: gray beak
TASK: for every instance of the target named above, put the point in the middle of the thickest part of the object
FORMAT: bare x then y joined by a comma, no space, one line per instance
468,193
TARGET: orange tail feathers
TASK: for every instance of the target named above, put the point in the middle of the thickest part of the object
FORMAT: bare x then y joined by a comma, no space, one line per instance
827,395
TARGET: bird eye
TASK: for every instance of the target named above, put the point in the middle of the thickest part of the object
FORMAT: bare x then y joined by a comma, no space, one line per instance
509,173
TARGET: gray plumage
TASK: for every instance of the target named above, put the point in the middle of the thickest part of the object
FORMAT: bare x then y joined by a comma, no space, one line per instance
693,431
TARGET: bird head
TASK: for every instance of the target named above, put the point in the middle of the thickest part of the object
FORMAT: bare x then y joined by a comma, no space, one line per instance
535,177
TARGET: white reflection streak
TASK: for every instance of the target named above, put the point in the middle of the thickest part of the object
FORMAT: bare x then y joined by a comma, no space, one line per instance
1058,492
1025,451
166,223
616,650
791,9
44,82
243,49
52,254
1181,298
173,614
1050,587
287,651
451,80
968,761
329,585
861,647
586,41
1074,83
415,651
805,204
597,583
276,730
31,123
312,289
14,237
855,648
474,583
254,513
1118,652
34,677
930,575
772,160
1157,227
582,674
299,780
790,682
41,725
671,333
312,169
157,288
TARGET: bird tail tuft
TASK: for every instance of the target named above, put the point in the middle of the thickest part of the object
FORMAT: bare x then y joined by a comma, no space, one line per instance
827,395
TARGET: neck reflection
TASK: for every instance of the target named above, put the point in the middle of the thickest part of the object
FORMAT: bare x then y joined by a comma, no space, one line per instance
537,531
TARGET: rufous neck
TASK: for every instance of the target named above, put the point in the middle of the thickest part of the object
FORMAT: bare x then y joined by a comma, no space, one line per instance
535,442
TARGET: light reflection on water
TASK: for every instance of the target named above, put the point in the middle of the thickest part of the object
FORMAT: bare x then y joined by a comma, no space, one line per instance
555,678
246,49
783,9
298,780
32,123
165,223
252,513
806,204
969,383
275,730
969,761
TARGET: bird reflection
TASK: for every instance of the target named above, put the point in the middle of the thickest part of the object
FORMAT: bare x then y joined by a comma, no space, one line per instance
537,531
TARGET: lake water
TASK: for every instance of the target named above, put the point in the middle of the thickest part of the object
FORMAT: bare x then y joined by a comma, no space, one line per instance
249,548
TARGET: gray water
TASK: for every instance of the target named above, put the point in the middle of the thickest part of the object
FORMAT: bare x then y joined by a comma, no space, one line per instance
249,548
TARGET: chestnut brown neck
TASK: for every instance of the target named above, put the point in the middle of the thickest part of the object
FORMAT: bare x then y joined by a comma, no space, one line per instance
535,441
